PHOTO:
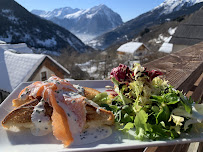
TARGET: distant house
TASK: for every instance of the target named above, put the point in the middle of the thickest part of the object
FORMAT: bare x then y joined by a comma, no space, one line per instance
189,32
133,50
16,68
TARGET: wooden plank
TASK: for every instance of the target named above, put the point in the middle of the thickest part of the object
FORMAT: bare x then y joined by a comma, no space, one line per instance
188,83
170,148
160,149
200,148
198,80
193,147
181,148
198,93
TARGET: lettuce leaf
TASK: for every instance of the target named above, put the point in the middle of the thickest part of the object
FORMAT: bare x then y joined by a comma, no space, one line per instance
196,115
141,124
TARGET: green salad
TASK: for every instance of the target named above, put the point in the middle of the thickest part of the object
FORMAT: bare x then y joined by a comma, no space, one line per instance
147,105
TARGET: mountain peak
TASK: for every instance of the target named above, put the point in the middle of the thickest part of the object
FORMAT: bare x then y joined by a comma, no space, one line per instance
175,5
86,23
102,6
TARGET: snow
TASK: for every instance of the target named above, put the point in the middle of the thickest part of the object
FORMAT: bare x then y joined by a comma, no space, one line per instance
172,31
13,18
89,67
16,67
175,5
59,12
18,48
77,14
94,43
2,42
164,39
9,14
6,11
161,38
85,37
48,42
129,47
166,47
6,39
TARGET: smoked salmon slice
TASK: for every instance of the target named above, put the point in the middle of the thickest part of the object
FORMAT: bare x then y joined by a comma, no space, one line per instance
69,107
60,124
49,91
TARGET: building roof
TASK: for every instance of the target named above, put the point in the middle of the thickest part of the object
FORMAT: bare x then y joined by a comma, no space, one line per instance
190,32
166,47
17,68
18,48
2,42
130,47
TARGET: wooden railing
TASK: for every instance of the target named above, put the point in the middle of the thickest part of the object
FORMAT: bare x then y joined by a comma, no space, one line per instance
184,71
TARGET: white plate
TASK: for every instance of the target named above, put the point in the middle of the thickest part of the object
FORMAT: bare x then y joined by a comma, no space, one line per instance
24,141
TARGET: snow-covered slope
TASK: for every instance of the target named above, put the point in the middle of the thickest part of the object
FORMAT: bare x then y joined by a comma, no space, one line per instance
169,6
59,13
19,25
84,22
166,11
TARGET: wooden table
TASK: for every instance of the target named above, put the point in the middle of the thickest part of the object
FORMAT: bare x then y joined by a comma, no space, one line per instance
184,71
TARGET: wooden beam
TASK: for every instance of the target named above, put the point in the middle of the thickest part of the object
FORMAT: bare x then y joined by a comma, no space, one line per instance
189,82
198,93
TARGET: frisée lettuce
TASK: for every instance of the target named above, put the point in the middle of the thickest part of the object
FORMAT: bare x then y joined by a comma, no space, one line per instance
144,102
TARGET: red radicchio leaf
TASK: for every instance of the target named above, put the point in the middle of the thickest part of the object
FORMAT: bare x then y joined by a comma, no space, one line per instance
112,92
122,73
152,74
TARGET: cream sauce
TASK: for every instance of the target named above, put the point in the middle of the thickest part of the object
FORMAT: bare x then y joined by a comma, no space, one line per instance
25,94
80,89
91,135
41,123
88,135
72,119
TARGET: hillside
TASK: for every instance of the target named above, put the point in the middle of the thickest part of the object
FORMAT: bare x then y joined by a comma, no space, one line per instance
19,25
85,23
167,11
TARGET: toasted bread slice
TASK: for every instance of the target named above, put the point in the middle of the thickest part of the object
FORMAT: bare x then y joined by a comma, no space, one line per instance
98,117
18,102
21,116
90,93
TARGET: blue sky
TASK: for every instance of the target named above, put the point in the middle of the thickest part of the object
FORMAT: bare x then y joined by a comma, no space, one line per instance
128,9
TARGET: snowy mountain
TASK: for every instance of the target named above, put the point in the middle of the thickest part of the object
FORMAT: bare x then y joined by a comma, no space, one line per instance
59,13
170,6
166,11
85,23
19,25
